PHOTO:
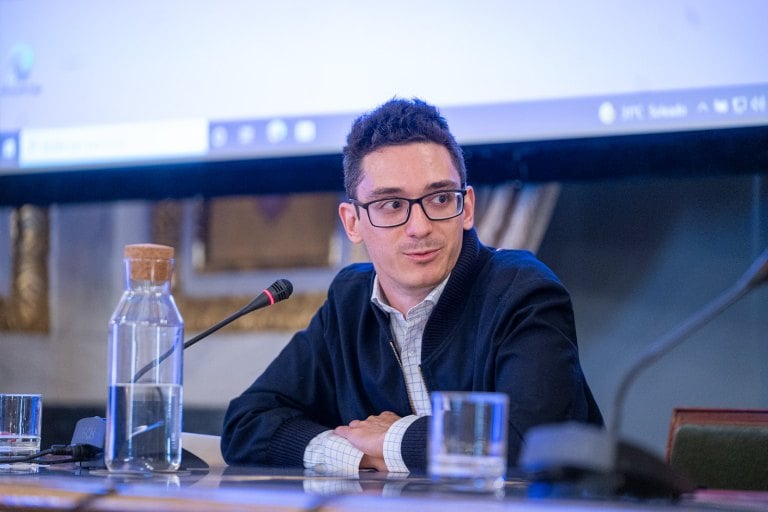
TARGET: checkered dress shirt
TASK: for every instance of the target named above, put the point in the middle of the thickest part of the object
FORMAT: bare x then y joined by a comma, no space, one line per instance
328,452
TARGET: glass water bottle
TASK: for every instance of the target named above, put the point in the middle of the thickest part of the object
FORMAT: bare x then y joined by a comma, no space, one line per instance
146,331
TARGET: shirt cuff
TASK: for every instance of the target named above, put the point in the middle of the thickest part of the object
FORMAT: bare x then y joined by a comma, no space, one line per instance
393,440
330,453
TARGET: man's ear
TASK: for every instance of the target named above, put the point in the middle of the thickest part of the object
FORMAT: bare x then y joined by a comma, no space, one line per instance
469,208
351,221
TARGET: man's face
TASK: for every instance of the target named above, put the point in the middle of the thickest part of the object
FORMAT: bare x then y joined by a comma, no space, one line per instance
411,259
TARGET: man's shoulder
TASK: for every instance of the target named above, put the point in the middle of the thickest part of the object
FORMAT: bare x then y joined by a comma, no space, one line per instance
519,265
355,271
353,276
516,258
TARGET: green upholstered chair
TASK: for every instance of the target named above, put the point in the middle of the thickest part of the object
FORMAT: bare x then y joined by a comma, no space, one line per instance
720,448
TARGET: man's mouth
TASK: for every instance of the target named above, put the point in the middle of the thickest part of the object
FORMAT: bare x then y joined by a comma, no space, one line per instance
421,254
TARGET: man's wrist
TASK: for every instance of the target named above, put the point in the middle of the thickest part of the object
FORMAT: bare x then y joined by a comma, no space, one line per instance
393,440
331,453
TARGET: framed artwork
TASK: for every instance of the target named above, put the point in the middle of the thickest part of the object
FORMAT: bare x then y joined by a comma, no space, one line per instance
229,249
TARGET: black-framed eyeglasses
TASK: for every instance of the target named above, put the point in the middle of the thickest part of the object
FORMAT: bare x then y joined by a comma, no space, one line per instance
395,211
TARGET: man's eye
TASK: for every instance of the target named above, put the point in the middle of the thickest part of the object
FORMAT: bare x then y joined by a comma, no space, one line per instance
440,198
390,204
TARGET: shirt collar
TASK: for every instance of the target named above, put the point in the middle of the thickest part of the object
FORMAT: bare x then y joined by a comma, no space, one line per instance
377,296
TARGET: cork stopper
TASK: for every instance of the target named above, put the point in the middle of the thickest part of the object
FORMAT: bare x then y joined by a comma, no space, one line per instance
149,262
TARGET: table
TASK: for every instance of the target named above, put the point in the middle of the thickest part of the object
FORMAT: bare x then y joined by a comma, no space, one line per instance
69,487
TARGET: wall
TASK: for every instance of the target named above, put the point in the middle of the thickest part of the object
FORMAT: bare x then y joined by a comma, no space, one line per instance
642,256
639,257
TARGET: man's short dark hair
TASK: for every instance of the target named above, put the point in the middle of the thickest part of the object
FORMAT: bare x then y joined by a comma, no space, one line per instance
397,122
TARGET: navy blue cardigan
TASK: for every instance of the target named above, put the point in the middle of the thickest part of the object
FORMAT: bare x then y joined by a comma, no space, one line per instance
503,323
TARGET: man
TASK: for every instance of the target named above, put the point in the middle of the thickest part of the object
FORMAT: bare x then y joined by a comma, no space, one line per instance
434,310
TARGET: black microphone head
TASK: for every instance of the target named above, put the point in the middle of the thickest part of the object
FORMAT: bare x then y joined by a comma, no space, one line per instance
281,289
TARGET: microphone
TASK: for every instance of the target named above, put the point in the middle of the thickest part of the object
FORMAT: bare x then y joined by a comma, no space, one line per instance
279,290
578,457
756,275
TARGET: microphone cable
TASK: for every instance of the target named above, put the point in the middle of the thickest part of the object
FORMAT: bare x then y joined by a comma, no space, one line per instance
76,452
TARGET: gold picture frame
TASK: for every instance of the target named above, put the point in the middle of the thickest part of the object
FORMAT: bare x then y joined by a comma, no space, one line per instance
201,312
25,308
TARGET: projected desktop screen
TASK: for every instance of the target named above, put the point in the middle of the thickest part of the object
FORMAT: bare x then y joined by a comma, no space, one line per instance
104,85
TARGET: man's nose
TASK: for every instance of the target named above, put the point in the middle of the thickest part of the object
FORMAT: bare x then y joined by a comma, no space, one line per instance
418,220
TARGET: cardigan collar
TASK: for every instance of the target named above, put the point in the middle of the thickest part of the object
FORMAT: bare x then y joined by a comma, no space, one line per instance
472,258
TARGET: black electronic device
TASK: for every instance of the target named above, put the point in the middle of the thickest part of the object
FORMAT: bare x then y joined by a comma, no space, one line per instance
586,90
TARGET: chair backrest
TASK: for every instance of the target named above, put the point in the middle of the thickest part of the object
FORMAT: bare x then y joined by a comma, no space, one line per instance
720,448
